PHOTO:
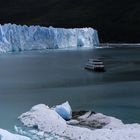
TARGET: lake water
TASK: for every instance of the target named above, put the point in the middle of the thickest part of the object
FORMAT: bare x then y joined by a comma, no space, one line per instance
55,76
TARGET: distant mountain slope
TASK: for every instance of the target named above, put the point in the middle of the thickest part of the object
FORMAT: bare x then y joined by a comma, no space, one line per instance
116,21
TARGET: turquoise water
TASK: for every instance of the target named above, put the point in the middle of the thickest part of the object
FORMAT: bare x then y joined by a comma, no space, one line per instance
54,76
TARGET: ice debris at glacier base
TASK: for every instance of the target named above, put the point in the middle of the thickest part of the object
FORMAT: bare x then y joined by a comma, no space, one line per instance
5,135
22,38
46,124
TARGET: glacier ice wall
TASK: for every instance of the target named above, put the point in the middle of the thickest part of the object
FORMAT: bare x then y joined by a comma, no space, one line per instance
22,38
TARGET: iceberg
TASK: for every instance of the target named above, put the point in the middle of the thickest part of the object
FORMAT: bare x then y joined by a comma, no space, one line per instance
44,123
24,38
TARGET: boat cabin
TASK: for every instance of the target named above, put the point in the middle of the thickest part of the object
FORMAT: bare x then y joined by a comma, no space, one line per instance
95,65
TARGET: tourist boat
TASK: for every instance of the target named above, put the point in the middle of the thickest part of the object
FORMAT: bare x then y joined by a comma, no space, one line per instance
95,65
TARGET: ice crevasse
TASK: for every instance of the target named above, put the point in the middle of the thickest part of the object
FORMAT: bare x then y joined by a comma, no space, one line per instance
23,38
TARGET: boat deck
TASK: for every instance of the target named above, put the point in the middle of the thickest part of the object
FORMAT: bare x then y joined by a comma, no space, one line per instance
95,65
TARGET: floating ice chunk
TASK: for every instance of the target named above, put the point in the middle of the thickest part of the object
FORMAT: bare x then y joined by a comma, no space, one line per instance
46,124
64,110
46,121
5,135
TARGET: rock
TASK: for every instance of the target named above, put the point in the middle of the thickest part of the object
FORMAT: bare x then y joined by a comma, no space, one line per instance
76,114
94,120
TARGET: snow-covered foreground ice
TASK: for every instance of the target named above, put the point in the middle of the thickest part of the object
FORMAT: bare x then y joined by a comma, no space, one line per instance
22,38
5,135
45,123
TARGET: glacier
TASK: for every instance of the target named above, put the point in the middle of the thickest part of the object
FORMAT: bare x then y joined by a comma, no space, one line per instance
26,38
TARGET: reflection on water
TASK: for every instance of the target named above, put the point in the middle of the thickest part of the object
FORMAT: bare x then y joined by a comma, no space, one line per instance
53,77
